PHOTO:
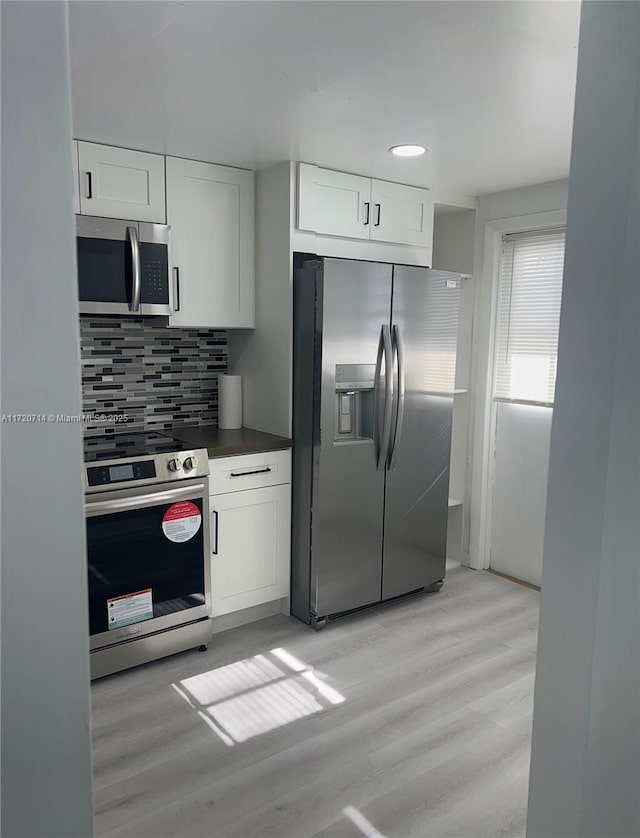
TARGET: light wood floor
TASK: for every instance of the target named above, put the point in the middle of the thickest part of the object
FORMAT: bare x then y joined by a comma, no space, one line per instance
408,720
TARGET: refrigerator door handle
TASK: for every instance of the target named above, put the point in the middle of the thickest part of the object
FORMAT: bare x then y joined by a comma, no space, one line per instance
382,440
397,432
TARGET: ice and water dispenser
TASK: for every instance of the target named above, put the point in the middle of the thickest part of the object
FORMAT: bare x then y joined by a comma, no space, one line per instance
354,402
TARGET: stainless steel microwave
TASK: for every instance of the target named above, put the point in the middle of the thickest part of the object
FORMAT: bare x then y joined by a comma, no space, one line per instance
124,267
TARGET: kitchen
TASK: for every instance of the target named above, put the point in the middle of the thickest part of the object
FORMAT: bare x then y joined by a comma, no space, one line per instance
294,657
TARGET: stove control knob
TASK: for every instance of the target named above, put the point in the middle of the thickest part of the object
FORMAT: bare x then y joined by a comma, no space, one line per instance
189,463
174,465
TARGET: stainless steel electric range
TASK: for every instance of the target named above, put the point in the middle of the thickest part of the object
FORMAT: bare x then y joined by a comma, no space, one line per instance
147,549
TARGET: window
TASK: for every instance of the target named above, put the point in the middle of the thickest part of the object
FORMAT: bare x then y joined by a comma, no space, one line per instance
529,298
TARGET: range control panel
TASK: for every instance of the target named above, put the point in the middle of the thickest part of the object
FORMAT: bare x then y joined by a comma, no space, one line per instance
160,468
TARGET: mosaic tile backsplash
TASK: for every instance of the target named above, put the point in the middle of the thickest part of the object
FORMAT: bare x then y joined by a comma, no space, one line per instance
154,376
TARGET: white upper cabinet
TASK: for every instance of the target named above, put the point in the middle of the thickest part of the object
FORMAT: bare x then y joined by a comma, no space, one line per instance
401,214
120,183
76,176
211,212
349,206
333,203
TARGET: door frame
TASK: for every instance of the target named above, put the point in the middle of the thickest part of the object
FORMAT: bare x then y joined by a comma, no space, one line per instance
483,409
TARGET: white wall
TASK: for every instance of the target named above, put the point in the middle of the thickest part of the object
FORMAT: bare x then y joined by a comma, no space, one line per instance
585,769
46,772
521,470
263,356
520,209
454,240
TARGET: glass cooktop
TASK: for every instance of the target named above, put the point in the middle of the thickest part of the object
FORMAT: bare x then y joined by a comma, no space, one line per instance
142,444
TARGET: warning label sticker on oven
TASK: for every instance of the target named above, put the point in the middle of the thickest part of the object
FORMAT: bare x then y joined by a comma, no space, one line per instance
181,521
129,608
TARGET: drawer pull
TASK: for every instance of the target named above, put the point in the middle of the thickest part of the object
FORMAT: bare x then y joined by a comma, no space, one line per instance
247,473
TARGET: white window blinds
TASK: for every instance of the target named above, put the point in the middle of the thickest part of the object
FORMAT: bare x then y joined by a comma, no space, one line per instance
529,297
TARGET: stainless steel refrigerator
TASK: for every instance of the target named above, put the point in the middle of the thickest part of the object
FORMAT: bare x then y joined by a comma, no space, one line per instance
374,372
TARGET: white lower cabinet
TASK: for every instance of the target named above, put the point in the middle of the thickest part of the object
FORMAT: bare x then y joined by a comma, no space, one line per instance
250,535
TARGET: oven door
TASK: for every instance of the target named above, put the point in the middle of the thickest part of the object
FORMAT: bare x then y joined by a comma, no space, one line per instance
148,567
123,267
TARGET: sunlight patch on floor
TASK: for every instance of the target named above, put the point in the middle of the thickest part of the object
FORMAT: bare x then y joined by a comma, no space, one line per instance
365,826
227,681
254,696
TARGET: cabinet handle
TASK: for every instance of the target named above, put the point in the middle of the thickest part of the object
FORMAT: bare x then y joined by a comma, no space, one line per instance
214,549
377,222
89,186
247,473
176,273
367,210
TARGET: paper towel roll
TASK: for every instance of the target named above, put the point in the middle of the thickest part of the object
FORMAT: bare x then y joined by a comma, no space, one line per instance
229,401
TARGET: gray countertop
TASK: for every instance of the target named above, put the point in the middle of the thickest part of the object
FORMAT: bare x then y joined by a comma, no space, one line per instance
225,443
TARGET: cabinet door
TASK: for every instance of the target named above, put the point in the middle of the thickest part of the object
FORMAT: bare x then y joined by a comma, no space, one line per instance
76,176
120,183
401,214
250,547
333,203
211,213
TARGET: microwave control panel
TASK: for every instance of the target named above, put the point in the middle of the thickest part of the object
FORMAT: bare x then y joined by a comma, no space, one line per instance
154,266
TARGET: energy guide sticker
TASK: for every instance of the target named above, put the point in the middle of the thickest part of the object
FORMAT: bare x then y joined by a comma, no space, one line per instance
181,521
129,608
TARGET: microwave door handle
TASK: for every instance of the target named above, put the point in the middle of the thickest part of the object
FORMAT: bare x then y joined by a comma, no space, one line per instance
132,234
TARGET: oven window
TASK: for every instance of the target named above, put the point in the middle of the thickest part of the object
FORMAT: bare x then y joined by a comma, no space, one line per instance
104,270
129,552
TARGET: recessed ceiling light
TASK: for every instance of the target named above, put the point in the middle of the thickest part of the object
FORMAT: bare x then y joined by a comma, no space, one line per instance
407,150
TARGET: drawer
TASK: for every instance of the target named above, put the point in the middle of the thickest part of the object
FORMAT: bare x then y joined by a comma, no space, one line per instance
249,471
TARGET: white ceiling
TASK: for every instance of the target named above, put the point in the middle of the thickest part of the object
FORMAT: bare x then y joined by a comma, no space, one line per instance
488,86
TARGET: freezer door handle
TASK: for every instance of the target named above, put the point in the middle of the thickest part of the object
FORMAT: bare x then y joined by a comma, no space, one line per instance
399,413
381,437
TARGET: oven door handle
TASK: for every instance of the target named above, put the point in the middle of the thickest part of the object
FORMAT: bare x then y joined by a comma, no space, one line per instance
108,507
